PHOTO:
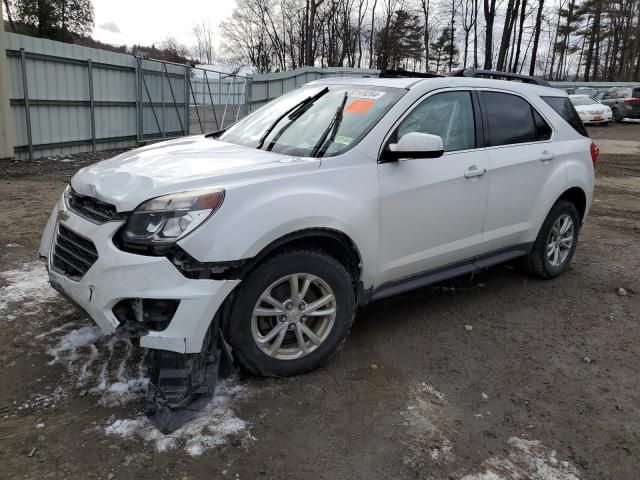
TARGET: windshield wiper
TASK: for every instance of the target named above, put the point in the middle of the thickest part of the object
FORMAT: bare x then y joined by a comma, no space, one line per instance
323,143
292,118
215,134
291,111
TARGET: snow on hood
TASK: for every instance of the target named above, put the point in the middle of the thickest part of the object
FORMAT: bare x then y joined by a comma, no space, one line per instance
187,163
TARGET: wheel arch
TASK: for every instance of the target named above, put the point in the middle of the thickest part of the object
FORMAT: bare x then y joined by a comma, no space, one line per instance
578,197
331,241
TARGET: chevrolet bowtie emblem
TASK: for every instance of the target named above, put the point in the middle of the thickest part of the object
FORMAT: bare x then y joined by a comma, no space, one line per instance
62,215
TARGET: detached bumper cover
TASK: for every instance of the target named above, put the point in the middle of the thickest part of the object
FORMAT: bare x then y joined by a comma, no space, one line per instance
118,275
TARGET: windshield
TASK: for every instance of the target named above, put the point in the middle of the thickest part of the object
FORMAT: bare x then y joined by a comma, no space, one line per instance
577,101
335,119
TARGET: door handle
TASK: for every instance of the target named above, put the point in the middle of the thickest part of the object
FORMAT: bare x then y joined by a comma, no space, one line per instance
474,171
546,156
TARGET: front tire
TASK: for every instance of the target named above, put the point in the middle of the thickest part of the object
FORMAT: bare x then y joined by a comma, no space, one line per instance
291,314
615,115
556,243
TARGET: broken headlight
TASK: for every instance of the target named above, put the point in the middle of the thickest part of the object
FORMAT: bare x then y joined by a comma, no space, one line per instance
166,219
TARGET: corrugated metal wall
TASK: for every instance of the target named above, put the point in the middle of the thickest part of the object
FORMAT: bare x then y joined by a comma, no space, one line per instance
59,80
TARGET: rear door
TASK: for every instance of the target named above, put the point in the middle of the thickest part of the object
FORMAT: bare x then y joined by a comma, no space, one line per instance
521,157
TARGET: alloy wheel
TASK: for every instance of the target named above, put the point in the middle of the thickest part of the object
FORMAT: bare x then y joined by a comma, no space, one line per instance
560,240
293,316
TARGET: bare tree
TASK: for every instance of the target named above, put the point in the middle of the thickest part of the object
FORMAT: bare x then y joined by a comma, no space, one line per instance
312,7
536,37
509,20
203,50
489,18
519,41
372,32
425,7
468,22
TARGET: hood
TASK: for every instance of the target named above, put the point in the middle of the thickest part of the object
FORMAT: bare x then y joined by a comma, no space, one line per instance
178,165
595,107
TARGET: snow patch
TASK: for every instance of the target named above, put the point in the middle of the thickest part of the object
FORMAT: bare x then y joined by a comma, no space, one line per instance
214,426
73,340
427,421
40,401
108,366
27,286
526,459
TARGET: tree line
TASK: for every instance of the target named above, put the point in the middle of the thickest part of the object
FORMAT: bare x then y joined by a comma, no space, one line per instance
557,39
561,39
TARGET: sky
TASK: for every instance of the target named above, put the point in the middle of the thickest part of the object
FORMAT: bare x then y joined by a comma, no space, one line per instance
145,22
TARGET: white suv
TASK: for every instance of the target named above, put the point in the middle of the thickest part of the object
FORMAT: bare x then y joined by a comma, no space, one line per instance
341,192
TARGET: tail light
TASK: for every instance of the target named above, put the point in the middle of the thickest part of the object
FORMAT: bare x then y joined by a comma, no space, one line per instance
595,152
632,100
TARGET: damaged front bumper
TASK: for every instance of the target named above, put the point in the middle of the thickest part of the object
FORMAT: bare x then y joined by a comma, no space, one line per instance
115,276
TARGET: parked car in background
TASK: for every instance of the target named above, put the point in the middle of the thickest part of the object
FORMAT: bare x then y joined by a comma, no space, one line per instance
624,102
590,110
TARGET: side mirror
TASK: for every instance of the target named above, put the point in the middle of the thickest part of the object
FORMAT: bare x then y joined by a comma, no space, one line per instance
414,145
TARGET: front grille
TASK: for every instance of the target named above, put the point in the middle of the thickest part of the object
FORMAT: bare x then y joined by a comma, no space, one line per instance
91,208
73,255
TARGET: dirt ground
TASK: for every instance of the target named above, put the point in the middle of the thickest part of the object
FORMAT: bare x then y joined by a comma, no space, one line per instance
545,386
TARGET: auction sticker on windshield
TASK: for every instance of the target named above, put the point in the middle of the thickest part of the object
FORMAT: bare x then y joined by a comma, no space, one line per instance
366,93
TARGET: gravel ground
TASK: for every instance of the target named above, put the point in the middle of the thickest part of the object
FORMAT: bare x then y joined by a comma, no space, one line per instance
544,385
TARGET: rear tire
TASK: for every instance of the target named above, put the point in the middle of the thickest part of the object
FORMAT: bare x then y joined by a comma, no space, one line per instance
552,251
310,320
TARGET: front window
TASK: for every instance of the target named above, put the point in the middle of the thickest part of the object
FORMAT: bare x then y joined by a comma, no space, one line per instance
448,115
315,120
578,101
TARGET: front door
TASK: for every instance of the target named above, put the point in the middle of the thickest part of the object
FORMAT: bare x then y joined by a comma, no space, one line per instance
432,211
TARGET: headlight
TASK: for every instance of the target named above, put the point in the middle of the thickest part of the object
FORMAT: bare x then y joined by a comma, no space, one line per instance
164,220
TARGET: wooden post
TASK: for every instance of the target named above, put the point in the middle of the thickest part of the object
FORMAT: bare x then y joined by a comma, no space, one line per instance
6,120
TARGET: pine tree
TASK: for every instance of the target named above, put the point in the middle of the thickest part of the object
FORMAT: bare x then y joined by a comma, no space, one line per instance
61,20
442,51
401,42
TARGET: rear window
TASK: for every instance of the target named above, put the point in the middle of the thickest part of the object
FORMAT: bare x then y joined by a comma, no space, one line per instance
512,120
566,110
636,93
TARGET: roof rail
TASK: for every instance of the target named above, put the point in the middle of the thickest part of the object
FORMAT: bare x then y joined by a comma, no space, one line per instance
385,73
494,74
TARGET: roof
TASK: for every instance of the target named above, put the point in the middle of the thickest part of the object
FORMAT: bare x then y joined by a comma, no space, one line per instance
404,82
442,82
